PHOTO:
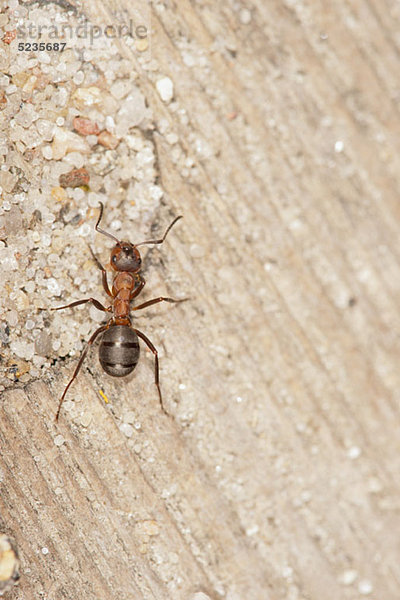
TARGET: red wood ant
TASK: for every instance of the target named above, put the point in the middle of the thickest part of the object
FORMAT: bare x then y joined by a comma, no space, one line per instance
119,346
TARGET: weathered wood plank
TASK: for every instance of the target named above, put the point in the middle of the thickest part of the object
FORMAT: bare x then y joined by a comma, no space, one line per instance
276,475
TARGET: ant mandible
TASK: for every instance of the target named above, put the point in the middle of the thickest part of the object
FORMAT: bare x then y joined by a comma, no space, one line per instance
119,346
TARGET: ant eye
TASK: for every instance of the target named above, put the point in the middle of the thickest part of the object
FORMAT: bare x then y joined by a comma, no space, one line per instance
114,259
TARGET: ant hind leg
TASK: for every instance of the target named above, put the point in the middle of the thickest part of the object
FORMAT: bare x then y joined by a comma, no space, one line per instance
78,366
156,366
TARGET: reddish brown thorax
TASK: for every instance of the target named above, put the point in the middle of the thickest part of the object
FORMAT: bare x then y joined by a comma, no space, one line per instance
125,259
123,286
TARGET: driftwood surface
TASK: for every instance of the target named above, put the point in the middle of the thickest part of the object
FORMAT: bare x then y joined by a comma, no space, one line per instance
276,475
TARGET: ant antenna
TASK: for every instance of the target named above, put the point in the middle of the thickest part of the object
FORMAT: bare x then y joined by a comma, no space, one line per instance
160,241
97,228
164,236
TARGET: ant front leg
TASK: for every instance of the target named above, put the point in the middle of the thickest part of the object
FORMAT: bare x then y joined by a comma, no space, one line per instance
78,366
140,282
156,368
103,273
95,303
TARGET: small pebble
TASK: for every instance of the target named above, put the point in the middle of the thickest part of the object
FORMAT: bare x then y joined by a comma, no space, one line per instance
86,419
126,429
287,572
74,178
9,36
65,141
59,440
339,146
46,241
348,577
43,344
109,123
353,452
9,563
45,129
119,89
91,140
53,287
374,485
76,159
252,530
78,77
58,194
12,318
85,126
47,152
245,16
171,138
108,140
131,113
365,587
165,88
90,96
148,527
23,349
30,287
142,45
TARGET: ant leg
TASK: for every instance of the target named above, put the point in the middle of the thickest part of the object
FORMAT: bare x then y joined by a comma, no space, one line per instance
78,366
95,302
136,291
156,369
103,273
155,300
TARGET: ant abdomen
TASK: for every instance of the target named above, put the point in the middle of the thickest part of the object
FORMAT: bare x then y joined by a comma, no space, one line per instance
119,350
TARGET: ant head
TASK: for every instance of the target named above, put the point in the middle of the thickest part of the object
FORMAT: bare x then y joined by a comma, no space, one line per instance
125,257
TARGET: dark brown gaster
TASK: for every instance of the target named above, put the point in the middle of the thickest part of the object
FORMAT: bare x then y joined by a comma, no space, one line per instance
119,346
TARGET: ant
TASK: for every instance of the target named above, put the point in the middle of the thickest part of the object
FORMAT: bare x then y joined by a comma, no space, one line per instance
119,346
